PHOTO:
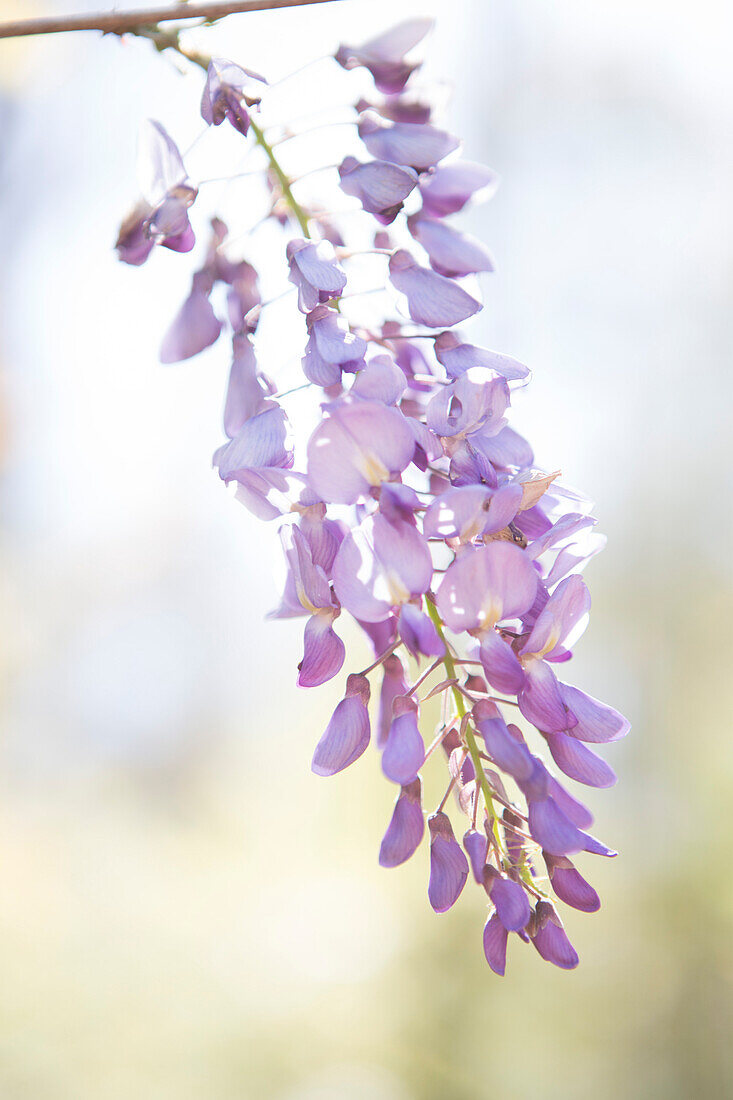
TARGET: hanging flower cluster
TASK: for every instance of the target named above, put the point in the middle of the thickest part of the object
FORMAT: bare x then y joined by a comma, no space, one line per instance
415,507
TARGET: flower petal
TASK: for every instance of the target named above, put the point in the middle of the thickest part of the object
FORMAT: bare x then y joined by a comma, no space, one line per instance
495,940
579,762
431,298
448,865
347,734
405,830
323,652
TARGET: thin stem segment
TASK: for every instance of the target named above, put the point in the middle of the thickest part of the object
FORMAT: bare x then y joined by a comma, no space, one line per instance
168,40
473,748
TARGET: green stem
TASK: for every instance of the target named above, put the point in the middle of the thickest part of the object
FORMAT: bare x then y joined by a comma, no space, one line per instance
283,180
473,748
168,40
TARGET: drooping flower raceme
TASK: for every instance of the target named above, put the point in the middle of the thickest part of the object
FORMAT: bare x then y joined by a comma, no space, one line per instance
414,507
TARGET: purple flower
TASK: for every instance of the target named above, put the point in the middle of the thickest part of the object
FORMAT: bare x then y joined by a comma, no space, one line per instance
228,92
405,830
347,734
358,446
508,753
548,936
579,762
380,380
393,684
431,298
595,722
247,393
261,443
331,346
448,189
477,846
570,886
133,243
495,941
411,144
404,751
414,505
194,328
512,906
475,401
450,252
448,865
166,189
457,358
315,271
323,650
418,633
485,585
384,55
380,566
380,187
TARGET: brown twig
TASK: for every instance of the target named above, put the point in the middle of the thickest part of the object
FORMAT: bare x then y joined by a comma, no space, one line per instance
120,22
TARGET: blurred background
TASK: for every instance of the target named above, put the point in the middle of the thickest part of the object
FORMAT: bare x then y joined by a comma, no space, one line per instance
185,909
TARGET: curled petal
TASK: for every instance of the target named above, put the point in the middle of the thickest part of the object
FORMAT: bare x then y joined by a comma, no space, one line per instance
579,762
495,940
448,865
404,752
563,613
393,684
333,339
380,187
478,399
384,55
512,905
380,380
553,831
549,937
347,734
597,723
261,442
504,450
570,886
411,144
194,328
133,243
315,271
323,652
507,753
160,167
405,830
417,631
501,664
431,298
457,358
310,581
572,807
451,252
317,369
228,91
246,393
477,845
447,190
540,700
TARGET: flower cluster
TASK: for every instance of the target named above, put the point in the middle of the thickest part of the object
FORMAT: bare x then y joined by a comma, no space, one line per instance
415,507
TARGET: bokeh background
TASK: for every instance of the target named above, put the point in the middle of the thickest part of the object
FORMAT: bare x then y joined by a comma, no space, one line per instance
185,910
